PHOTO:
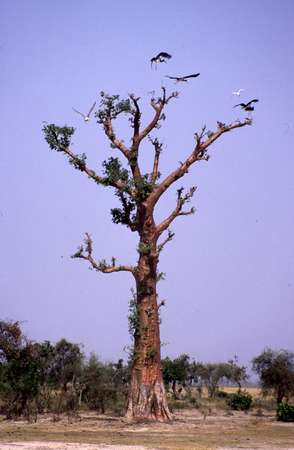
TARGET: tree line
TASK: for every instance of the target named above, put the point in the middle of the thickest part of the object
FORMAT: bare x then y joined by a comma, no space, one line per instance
37,377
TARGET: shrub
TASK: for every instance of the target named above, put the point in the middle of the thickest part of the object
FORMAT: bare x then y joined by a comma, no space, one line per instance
285,412
240,401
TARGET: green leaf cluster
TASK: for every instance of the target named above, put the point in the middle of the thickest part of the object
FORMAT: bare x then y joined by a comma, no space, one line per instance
111,106
58,138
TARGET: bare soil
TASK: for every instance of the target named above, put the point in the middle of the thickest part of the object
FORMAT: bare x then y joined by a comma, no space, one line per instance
190,430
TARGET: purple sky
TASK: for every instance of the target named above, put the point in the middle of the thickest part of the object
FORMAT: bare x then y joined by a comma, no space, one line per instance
229,284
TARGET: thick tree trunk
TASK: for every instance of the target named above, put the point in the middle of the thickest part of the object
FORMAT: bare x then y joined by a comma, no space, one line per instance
147,397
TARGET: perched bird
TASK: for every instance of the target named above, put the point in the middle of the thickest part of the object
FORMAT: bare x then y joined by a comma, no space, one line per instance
160,58
86,116
248,106
238,92
183,79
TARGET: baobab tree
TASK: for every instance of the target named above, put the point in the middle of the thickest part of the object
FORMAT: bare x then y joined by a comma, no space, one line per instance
139,194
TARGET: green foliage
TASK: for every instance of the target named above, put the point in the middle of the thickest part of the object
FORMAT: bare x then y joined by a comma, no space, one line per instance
133,316
276,372
176,370
105,385
114,171
144,248
285,412
125,215
111,106
58,138
211,374
65,364
143,187
79,162
239,401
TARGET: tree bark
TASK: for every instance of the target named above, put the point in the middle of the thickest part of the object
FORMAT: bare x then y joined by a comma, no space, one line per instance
147,396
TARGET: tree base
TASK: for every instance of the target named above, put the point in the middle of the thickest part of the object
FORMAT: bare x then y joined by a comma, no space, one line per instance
148,403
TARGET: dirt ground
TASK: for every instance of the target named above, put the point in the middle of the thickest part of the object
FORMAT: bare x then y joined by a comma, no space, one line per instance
190,430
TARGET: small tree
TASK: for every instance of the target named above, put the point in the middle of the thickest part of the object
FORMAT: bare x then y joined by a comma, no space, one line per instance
276,372
138,194
176,371
20,374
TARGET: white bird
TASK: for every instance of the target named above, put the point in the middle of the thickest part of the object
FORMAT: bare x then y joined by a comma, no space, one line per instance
86,116
238,92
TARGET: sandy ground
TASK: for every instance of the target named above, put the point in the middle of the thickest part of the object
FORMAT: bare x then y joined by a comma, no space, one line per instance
79,446
65,446
189,431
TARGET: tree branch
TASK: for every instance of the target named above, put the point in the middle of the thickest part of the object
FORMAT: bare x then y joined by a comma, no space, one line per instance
158,106
117,143
80,164
137,116
85,252
166,240
181,200
198,154
158,148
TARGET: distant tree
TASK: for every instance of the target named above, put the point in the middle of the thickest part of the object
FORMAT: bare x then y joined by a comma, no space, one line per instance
176,371
138,194
20,374
104,385
235,373
212,374
276,372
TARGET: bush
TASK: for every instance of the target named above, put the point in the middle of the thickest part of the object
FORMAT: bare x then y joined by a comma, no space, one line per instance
239,401
222,394
285,412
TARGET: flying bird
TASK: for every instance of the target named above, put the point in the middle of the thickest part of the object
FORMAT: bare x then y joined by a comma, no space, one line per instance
238,92
86,116
183,79
248,106
160,58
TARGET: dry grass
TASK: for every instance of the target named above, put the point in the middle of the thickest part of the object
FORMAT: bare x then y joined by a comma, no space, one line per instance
188,431
254,391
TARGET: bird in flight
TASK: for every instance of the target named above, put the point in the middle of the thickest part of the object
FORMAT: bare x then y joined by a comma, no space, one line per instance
238,92
248,106
160,58
183,79
86,116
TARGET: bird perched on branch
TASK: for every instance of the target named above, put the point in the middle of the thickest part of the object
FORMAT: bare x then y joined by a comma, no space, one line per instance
86,116
160,58
238,92
248,106
183,79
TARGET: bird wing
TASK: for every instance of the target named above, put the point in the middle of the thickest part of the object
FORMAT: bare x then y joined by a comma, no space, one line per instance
172,78
194,75
92,107
255,100
240,104
78,112
164,55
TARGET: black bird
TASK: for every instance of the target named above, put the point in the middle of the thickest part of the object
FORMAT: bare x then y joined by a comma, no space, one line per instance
160,58
248,106
183,79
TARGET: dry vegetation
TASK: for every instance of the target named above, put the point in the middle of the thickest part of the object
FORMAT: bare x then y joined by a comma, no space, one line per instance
208,427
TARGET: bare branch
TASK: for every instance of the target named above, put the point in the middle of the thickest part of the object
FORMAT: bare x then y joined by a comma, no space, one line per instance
158,148
137,116
117,143
181,200
158,105
166,240
85,252
198,154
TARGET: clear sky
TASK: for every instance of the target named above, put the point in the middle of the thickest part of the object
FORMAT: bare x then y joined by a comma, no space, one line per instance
229,270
